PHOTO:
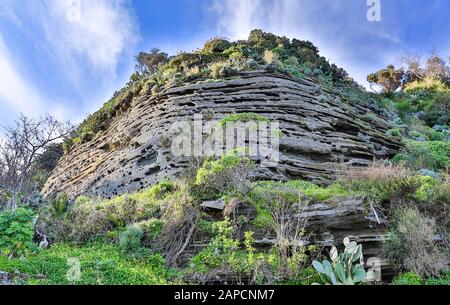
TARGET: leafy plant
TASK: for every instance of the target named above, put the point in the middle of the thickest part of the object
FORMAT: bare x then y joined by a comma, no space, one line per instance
16,235
409,278
130,241
101,264
345,268
227,174
60,204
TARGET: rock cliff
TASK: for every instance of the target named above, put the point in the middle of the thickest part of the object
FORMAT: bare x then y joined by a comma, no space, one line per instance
319,128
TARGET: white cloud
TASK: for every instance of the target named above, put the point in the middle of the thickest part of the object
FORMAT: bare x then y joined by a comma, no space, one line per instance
79,52
16,92
100,32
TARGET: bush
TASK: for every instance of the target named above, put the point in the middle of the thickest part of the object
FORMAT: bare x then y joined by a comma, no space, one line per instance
390,79
432,155
270,57
411,244
90,219
216,45
382,183
16,235
84,223
130,240
180,214
409,278
151,228
222,69
428,84
60,204
228,174
443,280
220,248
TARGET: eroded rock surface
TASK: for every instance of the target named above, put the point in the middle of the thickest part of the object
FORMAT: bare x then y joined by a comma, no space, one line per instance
319,130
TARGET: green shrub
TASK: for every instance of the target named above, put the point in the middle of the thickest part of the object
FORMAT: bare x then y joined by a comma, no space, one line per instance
409,278
84,223
222,69
222,246
60,204
16,235
425,155
151,228
130,240
225,252
228,174
442,280
91,219
395,132
216,45
428,84
437,112
383,183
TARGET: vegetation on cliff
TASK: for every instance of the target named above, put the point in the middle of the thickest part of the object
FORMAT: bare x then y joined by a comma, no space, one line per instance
165,234
219,58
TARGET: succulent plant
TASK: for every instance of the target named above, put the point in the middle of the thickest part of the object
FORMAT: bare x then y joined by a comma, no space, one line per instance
345,268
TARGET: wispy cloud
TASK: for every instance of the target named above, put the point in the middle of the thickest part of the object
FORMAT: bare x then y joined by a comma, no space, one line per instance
82,51
16,92
100,32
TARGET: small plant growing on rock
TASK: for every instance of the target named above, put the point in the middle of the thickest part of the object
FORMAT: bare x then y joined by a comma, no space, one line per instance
229,174
345,268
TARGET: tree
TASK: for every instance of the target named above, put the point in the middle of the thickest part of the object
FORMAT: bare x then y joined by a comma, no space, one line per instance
149,63
414,71
24,143
435,68
390,79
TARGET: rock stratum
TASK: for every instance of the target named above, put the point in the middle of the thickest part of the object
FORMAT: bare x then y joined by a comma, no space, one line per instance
320,129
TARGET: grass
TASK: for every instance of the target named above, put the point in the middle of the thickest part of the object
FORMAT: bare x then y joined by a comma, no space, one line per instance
412,279
243,117
100,264
292,192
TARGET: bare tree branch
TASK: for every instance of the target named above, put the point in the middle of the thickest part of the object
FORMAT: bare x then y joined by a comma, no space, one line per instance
23,142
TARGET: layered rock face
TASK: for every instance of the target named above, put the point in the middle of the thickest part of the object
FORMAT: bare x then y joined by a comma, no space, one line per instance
319,130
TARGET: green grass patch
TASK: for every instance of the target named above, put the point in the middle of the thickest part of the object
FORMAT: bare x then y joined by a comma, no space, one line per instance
99,264
243,117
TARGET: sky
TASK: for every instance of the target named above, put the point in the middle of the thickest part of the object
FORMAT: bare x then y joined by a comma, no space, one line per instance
68,57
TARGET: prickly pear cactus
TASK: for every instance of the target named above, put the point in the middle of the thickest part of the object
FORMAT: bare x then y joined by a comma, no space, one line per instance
345,268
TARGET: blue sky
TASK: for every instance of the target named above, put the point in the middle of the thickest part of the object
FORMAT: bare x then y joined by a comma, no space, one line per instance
67,62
